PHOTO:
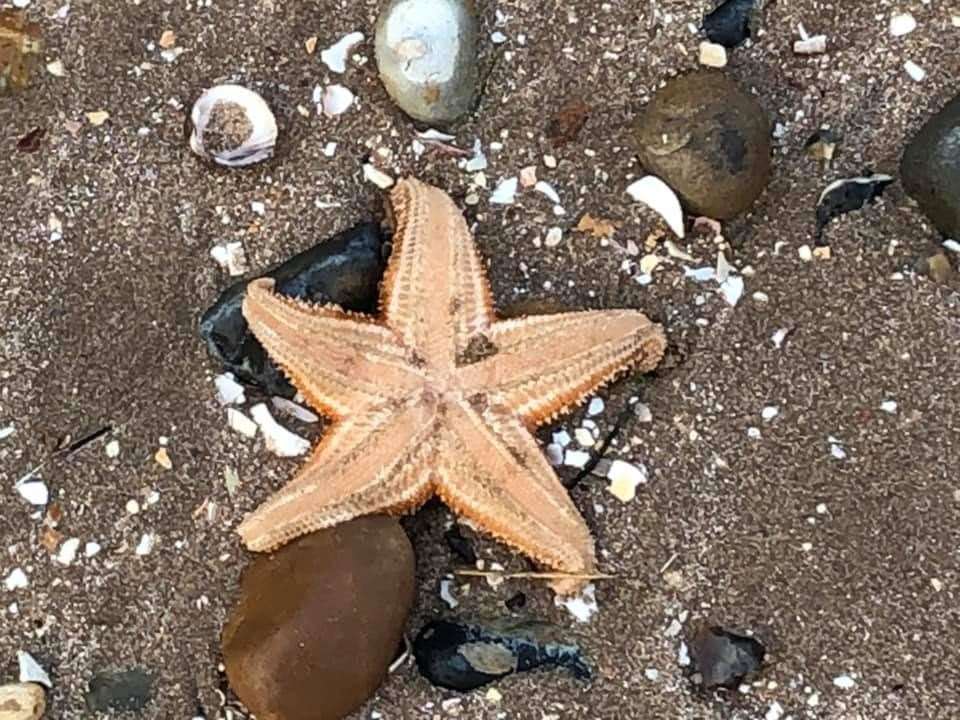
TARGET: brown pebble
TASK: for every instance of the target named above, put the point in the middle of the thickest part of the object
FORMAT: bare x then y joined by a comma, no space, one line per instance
709,140
319,621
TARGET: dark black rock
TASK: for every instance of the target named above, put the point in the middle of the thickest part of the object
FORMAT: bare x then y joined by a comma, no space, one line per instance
516,602
460,545
729,24
125,690
724,659
844,196
930,169
464,657
346,270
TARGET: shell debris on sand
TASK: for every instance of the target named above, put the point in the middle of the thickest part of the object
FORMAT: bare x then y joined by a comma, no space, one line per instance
233,126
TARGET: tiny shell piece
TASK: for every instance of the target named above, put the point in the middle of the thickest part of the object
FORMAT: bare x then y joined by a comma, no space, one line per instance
336,100
657,195
31,671
280,441
335,56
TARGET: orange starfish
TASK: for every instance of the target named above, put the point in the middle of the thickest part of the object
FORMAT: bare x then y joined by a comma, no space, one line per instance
437,396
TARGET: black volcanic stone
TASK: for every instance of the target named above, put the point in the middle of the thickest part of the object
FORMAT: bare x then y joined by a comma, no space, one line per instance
345,269
463,657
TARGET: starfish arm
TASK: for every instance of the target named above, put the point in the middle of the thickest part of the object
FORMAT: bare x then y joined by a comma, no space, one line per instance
544,364
435,292
493,472
370,463
339,362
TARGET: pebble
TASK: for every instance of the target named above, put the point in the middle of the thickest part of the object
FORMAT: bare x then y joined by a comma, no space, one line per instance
729,24
129,690
427,56
345,270
713,55
902,24
930,169
343,594
844,682
463,656
708,140
22,701
723,658
624,480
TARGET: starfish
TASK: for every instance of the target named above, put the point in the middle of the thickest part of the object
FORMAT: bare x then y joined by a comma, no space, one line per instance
436,396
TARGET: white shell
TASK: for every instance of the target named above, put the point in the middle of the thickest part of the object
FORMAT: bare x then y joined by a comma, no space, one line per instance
30,670
336,100
279,440
335,56
657,195
259,146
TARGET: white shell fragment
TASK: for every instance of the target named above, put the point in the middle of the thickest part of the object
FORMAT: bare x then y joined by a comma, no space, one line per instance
576,458
231,257
446,593
713,55
229,391
16,580
916,73
657,195
624,479
377,176
902,24
34,492
226,112
814,45
30,670
68,551
546,189
294,410
844,682
241,423
583,606
732,290
7,431
335,56
146,544
505,192
336,100
280,441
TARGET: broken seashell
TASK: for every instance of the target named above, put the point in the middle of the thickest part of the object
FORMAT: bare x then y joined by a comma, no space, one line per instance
336,100
232,126
279,440
657,195
335,56
31,671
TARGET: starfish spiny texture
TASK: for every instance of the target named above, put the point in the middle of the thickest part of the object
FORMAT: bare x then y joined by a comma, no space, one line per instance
437,396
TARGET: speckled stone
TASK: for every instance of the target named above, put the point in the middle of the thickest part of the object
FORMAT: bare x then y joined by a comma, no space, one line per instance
427,55
709,140
930,169
319,621
22,701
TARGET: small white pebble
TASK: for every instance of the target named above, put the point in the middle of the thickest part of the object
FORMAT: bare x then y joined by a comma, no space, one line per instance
916,73
133,507
68,551
652,674
805,253
902,24
807,546
576,458
16,580
258,207
146,544
91,548
562,438
683,655
844,682
584,437
769,412
753,433
813,700
889,406
778,337
821,508
330,149
595,407
775,711
34,492
112,449
377,176
624,478
936,584
838,452
554,237
713,54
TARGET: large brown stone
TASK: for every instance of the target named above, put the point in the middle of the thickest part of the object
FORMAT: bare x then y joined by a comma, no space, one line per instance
319,621
22,701
709,140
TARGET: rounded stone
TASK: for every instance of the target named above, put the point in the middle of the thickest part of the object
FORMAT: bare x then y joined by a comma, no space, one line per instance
930,169
22,701
709,140
427,56
319,621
